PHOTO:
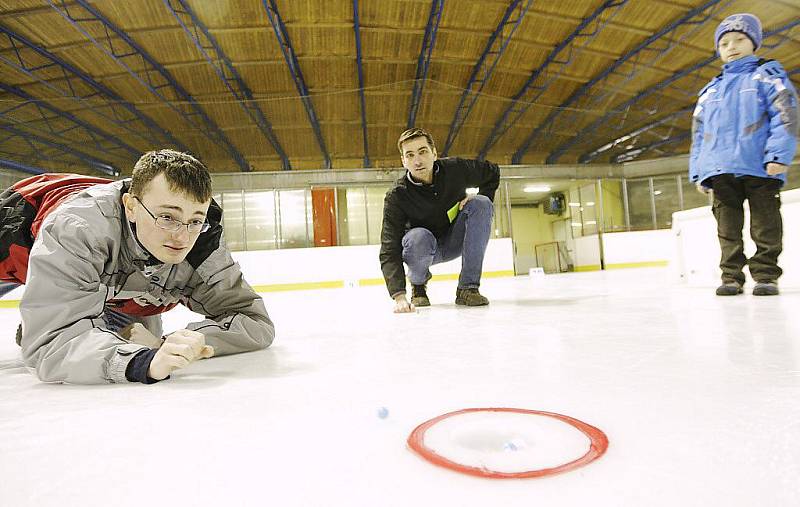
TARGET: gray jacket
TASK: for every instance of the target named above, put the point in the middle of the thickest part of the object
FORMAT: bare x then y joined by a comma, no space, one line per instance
86,258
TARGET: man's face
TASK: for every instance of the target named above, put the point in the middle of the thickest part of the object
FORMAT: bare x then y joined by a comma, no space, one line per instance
735,45
170,247
418,157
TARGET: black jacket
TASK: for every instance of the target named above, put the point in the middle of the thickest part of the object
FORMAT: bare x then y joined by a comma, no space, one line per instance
408,205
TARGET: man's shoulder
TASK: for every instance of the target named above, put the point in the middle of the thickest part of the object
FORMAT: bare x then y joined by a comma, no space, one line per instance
107,197
97,208
450,162
75,228
460,162
399,186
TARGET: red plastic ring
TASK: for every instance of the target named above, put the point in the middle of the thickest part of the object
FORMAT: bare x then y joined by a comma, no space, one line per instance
599,445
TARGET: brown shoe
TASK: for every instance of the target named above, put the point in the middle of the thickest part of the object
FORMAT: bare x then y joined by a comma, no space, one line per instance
470,297
419,297
19,335
766,289
729,289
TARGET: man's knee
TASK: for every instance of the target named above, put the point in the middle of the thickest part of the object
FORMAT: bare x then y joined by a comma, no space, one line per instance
479,204
419,239
480,201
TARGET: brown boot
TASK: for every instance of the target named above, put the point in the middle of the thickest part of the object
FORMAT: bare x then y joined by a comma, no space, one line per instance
418,296
470,297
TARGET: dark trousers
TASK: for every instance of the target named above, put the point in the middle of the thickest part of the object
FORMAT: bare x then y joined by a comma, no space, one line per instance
766,226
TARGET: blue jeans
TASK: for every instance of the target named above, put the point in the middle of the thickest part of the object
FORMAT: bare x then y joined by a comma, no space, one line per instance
468,236
6,287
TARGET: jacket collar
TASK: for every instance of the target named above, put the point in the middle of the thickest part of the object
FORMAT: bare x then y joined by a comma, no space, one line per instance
137,250
420,184
745,64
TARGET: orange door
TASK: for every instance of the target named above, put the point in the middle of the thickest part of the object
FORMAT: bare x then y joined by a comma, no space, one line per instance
324,210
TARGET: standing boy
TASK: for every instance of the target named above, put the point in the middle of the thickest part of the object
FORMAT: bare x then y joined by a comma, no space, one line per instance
744,136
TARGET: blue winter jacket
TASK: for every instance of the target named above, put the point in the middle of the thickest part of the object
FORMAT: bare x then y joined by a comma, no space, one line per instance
745,118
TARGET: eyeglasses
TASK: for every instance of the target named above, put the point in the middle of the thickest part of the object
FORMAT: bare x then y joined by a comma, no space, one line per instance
172,225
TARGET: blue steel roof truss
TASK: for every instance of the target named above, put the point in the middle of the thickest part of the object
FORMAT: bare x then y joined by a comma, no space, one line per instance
63,125
360,69
697,82
69,155
672,43
482,72
606,119
554,65
631,138
51,126
297,75
30,59
635,153
121,48
19,166
568,111
424,59
222,65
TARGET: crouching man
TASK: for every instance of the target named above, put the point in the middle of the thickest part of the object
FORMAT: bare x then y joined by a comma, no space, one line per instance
429,218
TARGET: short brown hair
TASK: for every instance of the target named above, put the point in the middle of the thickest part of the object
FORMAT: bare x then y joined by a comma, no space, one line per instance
414,133
183,172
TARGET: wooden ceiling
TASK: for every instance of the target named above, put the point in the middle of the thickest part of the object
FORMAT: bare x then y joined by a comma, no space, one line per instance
85,83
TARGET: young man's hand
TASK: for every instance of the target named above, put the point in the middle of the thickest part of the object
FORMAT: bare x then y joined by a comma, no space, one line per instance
401,304
138,334
179,349
774,168
703,190
464,201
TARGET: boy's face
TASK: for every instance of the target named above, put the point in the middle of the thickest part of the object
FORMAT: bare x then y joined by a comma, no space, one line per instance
418,158
735,45
168,246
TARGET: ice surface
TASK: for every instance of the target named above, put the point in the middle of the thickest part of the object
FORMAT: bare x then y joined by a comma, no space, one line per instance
699,396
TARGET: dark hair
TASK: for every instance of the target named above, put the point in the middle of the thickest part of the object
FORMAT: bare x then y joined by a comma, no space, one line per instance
183,172
414,133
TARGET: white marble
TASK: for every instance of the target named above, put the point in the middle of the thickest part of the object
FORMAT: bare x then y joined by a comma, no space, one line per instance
699,396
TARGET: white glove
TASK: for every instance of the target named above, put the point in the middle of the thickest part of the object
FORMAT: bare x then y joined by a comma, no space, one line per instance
179,349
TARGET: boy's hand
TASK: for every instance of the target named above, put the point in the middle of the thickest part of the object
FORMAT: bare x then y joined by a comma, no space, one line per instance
774,168
703,190
180,349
